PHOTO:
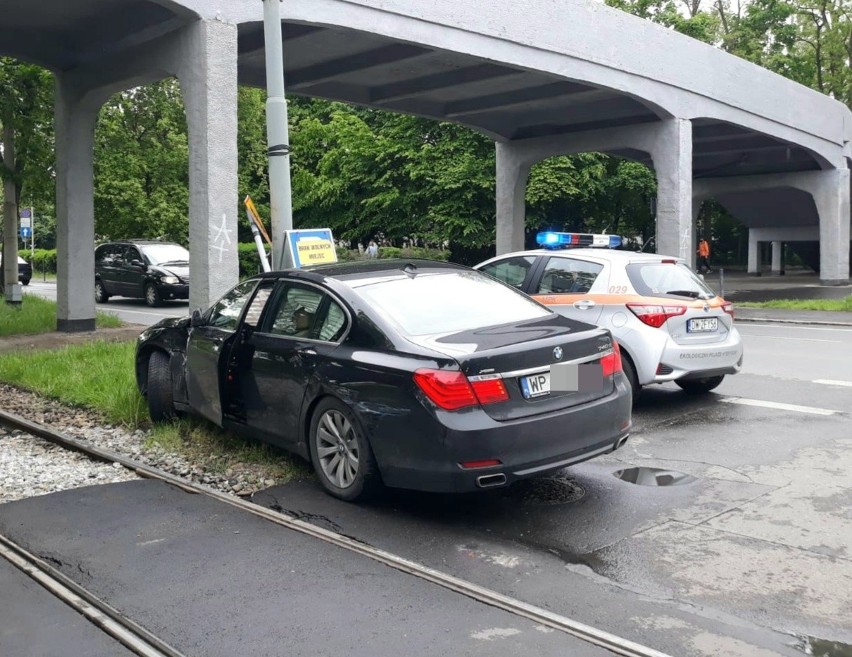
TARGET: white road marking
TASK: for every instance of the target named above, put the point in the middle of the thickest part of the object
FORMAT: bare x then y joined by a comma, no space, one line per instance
795,327
831,382
780,337
778,406
149,313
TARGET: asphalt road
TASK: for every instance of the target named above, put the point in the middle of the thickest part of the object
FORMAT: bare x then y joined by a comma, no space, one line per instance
748,557
132,311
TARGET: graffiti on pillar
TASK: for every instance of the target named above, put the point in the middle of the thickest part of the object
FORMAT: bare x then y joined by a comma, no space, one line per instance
222,239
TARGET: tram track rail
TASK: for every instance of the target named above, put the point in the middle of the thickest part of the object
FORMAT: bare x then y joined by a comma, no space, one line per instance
610,642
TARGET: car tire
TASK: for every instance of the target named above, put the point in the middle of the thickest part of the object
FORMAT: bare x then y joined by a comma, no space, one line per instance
161,405
341,454
700,386
632,378
101,295
152,295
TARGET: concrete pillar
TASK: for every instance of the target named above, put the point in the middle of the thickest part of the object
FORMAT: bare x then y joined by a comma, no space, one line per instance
831,196
208,79
777,258
75,208
753,254
512,175
672,155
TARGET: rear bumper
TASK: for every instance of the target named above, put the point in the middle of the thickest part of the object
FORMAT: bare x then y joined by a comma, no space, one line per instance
525,447
701,361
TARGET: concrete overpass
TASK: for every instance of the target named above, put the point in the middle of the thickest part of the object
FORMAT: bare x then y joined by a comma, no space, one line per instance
541,77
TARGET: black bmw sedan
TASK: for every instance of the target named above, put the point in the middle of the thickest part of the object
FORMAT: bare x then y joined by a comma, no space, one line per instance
412,374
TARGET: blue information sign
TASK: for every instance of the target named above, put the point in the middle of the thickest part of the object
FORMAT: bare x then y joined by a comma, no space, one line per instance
26,232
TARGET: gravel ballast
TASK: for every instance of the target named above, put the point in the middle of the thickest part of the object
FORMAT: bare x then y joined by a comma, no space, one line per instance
31,466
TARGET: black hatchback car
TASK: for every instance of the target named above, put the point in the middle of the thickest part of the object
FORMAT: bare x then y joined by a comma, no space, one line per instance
147,269
417,374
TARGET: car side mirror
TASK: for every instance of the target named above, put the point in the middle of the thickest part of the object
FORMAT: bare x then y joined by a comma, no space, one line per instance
137,263
196,319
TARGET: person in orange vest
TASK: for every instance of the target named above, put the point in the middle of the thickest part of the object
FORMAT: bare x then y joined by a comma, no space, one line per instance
703,256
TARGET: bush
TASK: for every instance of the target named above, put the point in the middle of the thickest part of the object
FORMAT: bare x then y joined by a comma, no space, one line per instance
45,259
249,260
42,260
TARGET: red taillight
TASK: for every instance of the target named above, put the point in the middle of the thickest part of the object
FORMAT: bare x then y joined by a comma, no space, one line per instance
489,463
448,390
452,390
611,362
729,308
655,316
490,389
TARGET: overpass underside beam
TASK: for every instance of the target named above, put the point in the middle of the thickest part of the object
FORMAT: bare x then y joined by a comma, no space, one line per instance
669,145
830,191
203,56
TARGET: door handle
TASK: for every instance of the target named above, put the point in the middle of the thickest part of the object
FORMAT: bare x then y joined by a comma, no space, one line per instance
584,304
307,351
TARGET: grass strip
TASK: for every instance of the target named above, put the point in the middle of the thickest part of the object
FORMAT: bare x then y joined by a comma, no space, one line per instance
97,375
834,305
37,315
224,453
100,376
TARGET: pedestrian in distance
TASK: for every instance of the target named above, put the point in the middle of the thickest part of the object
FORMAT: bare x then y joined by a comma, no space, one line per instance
704,257
373,250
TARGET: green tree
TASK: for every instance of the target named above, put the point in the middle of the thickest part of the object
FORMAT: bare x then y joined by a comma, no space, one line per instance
141,164
26,135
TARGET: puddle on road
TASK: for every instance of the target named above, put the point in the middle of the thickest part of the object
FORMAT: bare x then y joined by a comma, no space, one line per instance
653,477
822,648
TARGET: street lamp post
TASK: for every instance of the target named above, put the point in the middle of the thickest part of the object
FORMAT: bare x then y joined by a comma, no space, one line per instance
277,134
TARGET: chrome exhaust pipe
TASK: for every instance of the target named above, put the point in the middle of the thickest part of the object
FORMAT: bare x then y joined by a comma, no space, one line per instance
491,480
621,441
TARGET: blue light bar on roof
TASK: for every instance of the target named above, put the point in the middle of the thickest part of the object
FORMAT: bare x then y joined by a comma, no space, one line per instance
554,240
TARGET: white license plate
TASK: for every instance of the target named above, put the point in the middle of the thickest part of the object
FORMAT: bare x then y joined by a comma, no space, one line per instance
535,385
703,325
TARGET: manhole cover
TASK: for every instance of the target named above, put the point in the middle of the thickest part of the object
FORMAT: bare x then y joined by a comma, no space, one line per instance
653,477
550,490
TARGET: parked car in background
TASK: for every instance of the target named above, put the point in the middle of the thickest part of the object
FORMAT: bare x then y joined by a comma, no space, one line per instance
25,270
149,269
669,324
415,374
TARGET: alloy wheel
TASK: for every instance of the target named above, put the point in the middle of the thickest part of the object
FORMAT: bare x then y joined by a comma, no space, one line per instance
337,448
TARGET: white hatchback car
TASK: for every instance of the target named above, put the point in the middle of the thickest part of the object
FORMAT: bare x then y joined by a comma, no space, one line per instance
670,325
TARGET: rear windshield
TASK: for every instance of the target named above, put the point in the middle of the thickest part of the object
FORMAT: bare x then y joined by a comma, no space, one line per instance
667,279
448,302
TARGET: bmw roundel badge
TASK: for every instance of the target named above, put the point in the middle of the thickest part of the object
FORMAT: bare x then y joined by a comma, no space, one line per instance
557,353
